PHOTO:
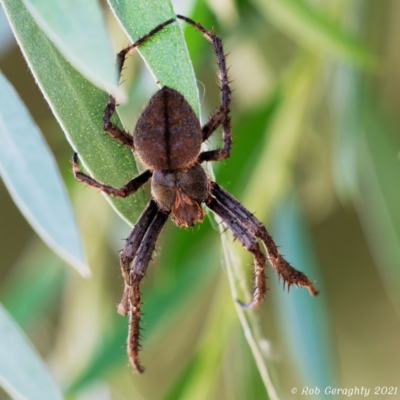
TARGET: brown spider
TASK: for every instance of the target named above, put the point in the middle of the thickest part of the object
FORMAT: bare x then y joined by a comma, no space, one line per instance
168,138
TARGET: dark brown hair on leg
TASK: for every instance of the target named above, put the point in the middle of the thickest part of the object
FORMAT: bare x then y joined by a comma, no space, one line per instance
113,130
289,275
136,274
221,115
249,242
130,249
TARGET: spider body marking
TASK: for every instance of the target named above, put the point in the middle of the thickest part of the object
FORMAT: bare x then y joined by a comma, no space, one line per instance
168,134
168,138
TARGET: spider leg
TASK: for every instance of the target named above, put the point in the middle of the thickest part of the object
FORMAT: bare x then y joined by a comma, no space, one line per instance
131,187
113,130
221,115
137,272
130,249
249,242
289,275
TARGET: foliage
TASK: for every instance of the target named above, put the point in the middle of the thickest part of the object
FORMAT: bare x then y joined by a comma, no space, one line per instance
315,156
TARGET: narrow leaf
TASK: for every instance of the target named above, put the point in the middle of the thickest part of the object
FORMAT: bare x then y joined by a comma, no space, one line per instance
40,278
166,55
22,373
78,31
378,203
198,380
78,105
367,172
248,319
305,325
311,28
33,180
278,149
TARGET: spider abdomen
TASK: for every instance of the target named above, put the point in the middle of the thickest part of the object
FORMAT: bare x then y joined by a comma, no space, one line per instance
168,134
181,192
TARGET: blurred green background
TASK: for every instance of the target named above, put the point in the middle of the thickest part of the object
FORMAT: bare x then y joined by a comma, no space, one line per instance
315,156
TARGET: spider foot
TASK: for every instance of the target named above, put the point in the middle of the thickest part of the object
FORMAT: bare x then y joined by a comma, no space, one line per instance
74,161
258,297
248,306
292,276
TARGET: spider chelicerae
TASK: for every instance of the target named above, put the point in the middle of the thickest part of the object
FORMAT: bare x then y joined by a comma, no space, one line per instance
168,138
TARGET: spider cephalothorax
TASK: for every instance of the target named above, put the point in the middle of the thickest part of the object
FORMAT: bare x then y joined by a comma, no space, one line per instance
167,138
182,192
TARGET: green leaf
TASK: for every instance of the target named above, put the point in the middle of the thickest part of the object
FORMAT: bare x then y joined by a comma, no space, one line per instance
22,373
248,319
367,171
304,320
378,203
166,55
39,276
310,28
33,180
279,147
201,374
77,29
78,106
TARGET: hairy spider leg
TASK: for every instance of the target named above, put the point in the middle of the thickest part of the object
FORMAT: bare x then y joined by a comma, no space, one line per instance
249,242
130,249
138,248
137,273
221,115
289,275
129,188
113,130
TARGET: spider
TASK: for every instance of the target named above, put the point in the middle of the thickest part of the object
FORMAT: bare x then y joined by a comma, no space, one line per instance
168,138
